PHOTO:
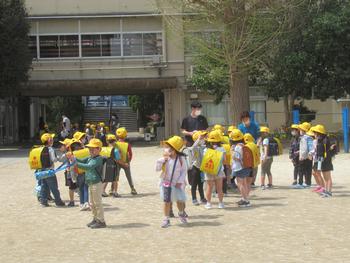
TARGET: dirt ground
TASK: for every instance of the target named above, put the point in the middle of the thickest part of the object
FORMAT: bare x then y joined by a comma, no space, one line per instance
283,224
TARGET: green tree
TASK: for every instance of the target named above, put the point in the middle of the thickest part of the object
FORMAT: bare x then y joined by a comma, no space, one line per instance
15,58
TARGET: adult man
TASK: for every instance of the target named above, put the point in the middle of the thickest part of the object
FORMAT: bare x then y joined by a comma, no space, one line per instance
194,122
65,126
249,126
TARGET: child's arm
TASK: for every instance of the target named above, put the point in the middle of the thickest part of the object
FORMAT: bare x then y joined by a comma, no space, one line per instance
90,165
159,164
129,153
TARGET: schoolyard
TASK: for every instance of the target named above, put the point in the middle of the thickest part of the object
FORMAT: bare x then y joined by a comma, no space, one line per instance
283,224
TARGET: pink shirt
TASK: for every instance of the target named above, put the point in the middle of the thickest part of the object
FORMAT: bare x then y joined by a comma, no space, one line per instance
179,173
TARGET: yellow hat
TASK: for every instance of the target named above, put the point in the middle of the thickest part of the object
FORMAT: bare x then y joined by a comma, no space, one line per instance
219,127
310,133
248,138
121,133
294,126
93,126
319,129
94,143
231,128
87,125
236,135
102,124
46,136
215,136
78,135
66,142
175,142
111,137
197,134
305,126
264,129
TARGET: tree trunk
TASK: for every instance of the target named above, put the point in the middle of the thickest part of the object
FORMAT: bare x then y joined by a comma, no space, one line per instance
239,93
288,103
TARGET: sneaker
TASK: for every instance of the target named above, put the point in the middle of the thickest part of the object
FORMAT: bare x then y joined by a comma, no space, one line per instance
171,214
50,198
208,206
317,188
320,191
104,194
92,223
71,204
298,186
183,218
263,187
204,201
165,223
269,186
85,207
185,214
241,203
307,186
133,191
221,206
110,193
247,203
195,202
98,224
244,203
116,195
326,194
44,205
60,204
294,183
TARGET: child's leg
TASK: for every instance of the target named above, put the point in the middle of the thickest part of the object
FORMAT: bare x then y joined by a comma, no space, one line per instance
92,196
209,190
194,183
328,181
98,202
180,206
268,171
128,177
308,171
218,185
86,193
104,187
166,209
240,186
318,178
71,195
200,185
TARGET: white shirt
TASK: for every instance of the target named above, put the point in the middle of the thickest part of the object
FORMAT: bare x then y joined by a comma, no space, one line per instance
66,123
237,153
179,172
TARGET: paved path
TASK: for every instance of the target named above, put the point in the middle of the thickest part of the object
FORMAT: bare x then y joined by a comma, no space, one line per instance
283,225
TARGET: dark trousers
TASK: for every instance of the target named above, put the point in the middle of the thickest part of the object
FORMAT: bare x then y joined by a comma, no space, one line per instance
47,185
224,182
195,181
298,177
306,171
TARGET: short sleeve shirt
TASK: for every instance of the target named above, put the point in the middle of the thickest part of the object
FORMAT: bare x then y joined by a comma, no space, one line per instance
194,124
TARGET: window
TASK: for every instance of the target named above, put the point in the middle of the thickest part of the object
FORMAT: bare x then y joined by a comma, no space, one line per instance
152,44
32,46
101,45
132,44
59,46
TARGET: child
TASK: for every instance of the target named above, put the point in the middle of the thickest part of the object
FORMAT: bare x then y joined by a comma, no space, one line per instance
93,176
249,141
173,176
126,157
195,179
304,149
238,170
214,142
294,155
88,131
111,167
83,187
324,154
266,158
312,156
48,158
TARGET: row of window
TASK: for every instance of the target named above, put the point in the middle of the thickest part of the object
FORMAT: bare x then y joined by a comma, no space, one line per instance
96,45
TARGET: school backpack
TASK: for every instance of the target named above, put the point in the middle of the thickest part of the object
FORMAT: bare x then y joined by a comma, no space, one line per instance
110,166
212,162
35,158
274,147
247,156
228,156
256,153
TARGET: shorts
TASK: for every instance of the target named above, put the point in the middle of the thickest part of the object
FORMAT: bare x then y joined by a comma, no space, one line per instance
210,177
253,172
242,173
69,182
325,166
177,194
266,167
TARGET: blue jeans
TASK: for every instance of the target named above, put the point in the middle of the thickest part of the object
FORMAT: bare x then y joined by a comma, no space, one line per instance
83,189
47,185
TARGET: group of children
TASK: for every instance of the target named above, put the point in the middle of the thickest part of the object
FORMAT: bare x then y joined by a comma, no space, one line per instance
218,161
88,168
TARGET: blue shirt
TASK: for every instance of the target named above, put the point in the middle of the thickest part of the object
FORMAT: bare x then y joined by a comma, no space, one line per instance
253,129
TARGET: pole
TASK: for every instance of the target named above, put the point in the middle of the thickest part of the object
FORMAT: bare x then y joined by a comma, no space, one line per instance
345,116
296,117
110,113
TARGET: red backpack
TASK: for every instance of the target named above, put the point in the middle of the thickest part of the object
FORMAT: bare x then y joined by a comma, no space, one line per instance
247,157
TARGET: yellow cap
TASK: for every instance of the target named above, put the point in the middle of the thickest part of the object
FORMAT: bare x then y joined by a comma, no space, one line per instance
231,128
121,133
93,126
66,142
102,124
111,137
176,142
197,134
294,126
305,126
236,135
248,138
219,127
78,135
319,129
215,136
46,136
310,133
94,143
264,129
87,125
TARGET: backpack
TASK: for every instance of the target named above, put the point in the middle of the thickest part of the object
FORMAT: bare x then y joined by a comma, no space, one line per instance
256,153
35,158
45,158
275,147
247,156
110,166
212,162
228,156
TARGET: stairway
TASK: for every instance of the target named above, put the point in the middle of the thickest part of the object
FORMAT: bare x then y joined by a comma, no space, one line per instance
127,117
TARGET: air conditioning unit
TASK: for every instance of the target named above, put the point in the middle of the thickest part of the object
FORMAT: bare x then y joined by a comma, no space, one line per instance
156,60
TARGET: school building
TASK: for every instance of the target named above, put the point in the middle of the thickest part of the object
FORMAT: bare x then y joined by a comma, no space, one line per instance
117,47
